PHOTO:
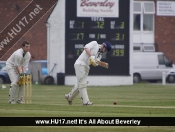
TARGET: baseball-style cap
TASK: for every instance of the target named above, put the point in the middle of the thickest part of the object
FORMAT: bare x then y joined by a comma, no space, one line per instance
107,46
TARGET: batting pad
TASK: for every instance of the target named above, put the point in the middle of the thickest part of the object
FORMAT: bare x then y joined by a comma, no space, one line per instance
74,92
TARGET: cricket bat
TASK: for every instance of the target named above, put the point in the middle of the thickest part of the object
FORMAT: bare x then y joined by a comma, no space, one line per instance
103,64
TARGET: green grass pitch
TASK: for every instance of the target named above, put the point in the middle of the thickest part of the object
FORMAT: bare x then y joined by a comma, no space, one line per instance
138,100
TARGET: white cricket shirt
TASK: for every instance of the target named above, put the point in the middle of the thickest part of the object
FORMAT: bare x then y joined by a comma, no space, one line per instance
17,59
83,59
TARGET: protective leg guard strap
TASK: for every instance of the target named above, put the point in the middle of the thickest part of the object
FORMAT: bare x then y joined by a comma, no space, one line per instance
82,85
83,93
20,93
13,91
74,92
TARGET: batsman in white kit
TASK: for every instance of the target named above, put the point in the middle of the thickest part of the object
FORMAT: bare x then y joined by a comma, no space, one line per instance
16,68
91,55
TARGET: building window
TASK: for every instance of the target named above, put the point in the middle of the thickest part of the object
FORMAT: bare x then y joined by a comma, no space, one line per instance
137,22
161,61
148,22
143,18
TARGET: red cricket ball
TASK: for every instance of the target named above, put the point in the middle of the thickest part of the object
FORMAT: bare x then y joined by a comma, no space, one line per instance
115,103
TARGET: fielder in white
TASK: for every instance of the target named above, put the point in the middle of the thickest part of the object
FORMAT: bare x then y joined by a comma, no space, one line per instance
16,67
91,54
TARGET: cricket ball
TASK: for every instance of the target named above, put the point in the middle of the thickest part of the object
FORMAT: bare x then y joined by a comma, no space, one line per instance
115,103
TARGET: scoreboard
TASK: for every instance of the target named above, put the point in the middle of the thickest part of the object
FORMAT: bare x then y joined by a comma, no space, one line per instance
82,30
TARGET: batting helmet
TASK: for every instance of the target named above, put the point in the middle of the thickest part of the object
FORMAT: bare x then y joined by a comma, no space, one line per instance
107,46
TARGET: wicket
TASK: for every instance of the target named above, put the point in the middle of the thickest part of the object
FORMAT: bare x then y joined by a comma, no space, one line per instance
27,89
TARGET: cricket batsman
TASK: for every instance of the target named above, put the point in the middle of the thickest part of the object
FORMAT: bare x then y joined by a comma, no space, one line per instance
16,68
91,55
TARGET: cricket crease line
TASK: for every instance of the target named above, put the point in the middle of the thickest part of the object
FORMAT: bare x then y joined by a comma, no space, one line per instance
165,107
27,31
17,15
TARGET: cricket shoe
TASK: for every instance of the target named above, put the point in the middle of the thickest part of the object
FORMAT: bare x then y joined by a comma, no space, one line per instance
19,101
12,101
88,103
67,97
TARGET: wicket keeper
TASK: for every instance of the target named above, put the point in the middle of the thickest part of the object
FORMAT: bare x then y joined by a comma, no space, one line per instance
16,68
90,56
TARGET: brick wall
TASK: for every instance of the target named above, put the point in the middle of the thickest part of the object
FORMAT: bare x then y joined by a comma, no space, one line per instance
37,35
165,36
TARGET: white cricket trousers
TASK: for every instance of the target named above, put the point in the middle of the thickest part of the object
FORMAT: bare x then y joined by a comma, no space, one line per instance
81,72
14,77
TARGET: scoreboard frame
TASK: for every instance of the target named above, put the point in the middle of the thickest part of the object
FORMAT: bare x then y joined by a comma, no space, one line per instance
81,30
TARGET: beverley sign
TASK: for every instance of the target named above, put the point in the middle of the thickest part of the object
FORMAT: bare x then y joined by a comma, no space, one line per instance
100,8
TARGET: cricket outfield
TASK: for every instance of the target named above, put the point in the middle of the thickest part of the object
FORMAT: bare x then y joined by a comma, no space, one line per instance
138,100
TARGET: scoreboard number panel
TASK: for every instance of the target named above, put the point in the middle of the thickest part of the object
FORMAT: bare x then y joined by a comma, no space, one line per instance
97,25
77,36
82,30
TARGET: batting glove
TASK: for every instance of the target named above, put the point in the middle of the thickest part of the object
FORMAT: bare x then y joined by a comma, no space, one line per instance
93,61
21,75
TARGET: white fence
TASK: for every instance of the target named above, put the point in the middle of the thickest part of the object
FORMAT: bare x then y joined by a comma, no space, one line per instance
164,75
